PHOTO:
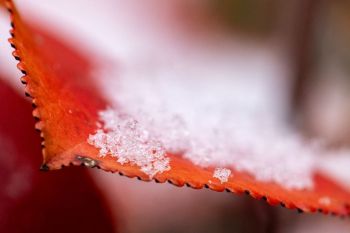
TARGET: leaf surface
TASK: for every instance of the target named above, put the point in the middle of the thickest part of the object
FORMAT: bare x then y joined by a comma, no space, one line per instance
67,101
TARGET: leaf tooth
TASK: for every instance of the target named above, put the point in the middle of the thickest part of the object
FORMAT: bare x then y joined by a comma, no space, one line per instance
16,55
36,114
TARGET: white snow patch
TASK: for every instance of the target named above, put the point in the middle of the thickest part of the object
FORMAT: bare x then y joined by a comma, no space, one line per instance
222,174
217,101
324,201
214,114
143,139
213,111
124,138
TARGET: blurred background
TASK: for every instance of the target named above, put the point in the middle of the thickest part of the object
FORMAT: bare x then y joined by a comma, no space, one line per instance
303,45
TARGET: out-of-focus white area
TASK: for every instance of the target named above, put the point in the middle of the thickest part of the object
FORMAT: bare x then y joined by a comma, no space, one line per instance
121,29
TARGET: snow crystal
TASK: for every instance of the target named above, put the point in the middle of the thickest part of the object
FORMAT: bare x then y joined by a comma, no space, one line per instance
222,174
122,137
324,201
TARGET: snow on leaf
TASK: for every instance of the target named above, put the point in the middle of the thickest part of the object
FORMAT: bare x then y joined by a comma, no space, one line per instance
222,174
68,102
325,201
123,138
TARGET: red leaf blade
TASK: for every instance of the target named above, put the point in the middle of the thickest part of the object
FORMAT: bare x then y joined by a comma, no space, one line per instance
68,102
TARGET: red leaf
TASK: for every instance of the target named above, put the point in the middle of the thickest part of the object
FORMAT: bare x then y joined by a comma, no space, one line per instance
67,102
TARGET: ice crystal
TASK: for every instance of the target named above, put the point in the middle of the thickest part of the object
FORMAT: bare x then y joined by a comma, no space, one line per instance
324,201
122,137
222,174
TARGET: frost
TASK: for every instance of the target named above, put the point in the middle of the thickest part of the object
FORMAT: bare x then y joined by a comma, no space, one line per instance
122,137
222,174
